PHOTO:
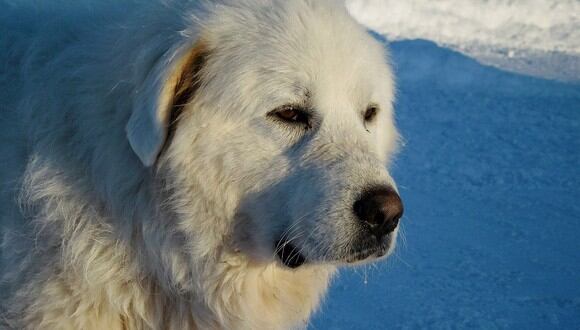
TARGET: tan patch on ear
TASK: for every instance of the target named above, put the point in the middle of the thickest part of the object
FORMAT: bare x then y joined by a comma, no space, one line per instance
190,76
186,81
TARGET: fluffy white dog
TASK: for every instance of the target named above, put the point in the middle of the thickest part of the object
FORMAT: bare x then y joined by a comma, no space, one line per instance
170,165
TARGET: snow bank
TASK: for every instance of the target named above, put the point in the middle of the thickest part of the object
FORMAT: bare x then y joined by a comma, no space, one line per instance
540,37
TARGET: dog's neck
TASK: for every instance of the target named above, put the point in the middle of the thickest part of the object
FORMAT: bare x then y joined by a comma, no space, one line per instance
229,291
268,295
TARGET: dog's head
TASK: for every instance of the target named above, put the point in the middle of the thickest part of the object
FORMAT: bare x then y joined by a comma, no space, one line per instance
274,129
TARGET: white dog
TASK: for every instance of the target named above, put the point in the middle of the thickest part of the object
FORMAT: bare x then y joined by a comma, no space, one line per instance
170,165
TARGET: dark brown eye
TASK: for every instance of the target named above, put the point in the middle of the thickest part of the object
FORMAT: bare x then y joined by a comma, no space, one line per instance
371,113
293,115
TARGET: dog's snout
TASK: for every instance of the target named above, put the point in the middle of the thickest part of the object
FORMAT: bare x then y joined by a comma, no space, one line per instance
380,209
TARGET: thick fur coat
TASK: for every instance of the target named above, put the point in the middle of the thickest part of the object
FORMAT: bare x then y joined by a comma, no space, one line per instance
150,165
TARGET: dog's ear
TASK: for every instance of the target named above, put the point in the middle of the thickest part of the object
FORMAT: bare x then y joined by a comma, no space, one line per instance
170,85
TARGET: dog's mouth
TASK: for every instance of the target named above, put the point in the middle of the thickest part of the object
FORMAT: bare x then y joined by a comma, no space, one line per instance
289,254
369,251
366,255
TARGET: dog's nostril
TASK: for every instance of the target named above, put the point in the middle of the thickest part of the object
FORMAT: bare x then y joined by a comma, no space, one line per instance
380,209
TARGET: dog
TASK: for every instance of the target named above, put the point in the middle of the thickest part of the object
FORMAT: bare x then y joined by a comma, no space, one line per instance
189,165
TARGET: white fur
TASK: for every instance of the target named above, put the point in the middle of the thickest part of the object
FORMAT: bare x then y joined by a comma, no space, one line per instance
105,228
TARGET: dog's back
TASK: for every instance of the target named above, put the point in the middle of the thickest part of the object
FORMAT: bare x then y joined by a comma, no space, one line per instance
64,81
32,36
17,33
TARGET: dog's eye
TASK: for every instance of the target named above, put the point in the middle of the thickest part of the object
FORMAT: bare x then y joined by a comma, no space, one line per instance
292,114
371,113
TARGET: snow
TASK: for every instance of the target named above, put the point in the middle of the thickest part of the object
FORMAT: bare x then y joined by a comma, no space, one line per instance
490,176
537,37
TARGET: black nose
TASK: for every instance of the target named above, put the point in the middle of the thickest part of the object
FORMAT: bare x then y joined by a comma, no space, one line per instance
380,209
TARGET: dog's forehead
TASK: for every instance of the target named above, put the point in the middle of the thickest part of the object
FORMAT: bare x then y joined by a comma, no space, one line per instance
302,47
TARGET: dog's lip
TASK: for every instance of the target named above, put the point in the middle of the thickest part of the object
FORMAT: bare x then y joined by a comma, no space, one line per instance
360,256
289,254
371,250
367,254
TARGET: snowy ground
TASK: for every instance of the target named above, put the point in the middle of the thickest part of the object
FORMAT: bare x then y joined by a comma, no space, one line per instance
491,179
538,37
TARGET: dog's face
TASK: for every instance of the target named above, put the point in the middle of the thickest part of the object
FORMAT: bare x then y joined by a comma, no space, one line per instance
288,136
